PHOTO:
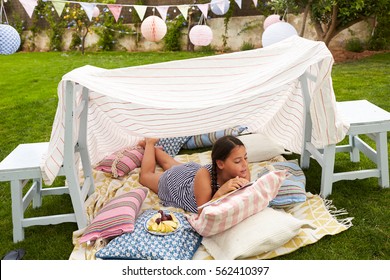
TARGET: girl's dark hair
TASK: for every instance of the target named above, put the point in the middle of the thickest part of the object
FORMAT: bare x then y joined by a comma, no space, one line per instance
221,150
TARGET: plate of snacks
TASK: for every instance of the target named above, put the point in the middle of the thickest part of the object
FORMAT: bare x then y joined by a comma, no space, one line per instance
162,223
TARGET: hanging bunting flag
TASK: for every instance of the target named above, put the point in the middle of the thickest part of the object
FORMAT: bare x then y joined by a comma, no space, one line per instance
239,3
141,10
59,7
115,10
29,6
88,8
255,3
204,9
163,11
184,10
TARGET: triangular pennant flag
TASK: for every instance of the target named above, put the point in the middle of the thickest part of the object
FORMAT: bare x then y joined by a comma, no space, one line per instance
163,11
184,10
59,6
29,6
141,10
239,3
255,3
88,8
204,8
115,10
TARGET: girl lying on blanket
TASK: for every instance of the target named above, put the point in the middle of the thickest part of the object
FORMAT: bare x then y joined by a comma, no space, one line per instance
189,185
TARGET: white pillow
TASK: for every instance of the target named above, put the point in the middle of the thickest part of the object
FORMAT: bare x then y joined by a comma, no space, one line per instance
260,147
263,232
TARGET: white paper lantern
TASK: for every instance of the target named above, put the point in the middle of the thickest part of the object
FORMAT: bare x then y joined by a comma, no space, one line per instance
201,35
153,28
277,32
271,20
216,6
95,12
9,39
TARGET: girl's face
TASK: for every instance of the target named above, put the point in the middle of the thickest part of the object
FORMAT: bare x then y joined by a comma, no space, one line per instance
236,164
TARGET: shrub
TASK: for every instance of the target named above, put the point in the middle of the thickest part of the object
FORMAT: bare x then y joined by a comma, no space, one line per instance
354,45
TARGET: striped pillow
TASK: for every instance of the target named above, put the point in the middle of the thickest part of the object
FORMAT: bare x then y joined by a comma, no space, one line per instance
234,208
293,189
208,139
116,217
122,162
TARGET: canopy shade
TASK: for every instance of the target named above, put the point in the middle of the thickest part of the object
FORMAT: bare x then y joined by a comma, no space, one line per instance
257,88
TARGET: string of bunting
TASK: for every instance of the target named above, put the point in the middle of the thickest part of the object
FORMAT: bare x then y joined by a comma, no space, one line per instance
218,7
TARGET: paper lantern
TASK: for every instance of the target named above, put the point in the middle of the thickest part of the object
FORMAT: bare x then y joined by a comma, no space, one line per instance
95,12
153,28
271,20
218,5
277,32
9,39
201,35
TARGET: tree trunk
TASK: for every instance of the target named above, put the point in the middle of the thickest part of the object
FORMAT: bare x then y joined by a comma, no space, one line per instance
83,39
331,31
190,46
305,14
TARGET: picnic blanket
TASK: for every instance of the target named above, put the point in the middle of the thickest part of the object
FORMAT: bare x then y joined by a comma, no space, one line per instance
327,220
259,89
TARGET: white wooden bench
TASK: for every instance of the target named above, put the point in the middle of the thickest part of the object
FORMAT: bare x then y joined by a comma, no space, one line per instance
364,118
22,166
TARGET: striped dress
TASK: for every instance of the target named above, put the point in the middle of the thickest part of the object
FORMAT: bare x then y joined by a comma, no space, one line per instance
176,186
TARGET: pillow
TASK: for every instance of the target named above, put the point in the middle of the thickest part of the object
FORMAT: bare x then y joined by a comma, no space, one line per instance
122,162
140,244
172,145
265,231
260,147
116,217
293,188
232,209
208,139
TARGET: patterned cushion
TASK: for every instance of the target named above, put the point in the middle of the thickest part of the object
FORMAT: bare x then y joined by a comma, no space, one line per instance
262,232
208,139
172,145
122,162
116,217
140,244
293,188
234,208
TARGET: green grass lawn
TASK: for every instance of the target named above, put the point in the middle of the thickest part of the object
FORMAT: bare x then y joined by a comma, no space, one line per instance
28,101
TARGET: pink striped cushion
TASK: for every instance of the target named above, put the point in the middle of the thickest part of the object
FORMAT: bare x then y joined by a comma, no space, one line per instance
116,217
122,162
234,208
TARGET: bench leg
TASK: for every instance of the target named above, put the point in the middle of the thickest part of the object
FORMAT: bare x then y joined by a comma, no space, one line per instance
329,155
355,153
37,200
17,210
382,158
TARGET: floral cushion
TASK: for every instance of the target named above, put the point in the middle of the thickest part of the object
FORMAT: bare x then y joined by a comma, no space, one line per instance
233,208
172,145
117,216
140,244
122,162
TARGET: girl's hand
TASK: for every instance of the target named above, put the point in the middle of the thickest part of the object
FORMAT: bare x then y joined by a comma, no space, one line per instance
231,185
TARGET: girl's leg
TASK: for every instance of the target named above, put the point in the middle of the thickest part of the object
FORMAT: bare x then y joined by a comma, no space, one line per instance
148,177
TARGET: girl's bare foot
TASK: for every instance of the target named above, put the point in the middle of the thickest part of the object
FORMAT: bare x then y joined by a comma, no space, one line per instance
142,143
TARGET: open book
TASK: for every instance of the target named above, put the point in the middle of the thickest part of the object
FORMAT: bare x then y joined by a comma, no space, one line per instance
218,199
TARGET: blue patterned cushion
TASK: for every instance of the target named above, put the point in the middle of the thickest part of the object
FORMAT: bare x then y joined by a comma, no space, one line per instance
172,145
9,39
293,188
208,139
143,245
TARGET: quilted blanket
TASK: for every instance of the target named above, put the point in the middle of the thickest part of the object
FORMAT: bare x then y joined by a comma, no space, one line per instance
320,213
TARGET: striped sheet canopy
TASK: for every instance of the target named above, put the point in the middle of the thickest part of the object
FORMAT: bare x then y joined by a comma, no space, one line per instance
257,88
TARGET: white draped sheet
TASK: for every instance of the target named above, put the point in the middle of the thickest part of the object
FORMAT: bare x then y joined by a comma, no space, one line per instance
257,88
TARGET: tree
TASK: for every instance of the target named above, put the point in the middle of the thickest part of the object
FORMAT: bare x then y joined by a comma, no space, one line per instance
330,17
